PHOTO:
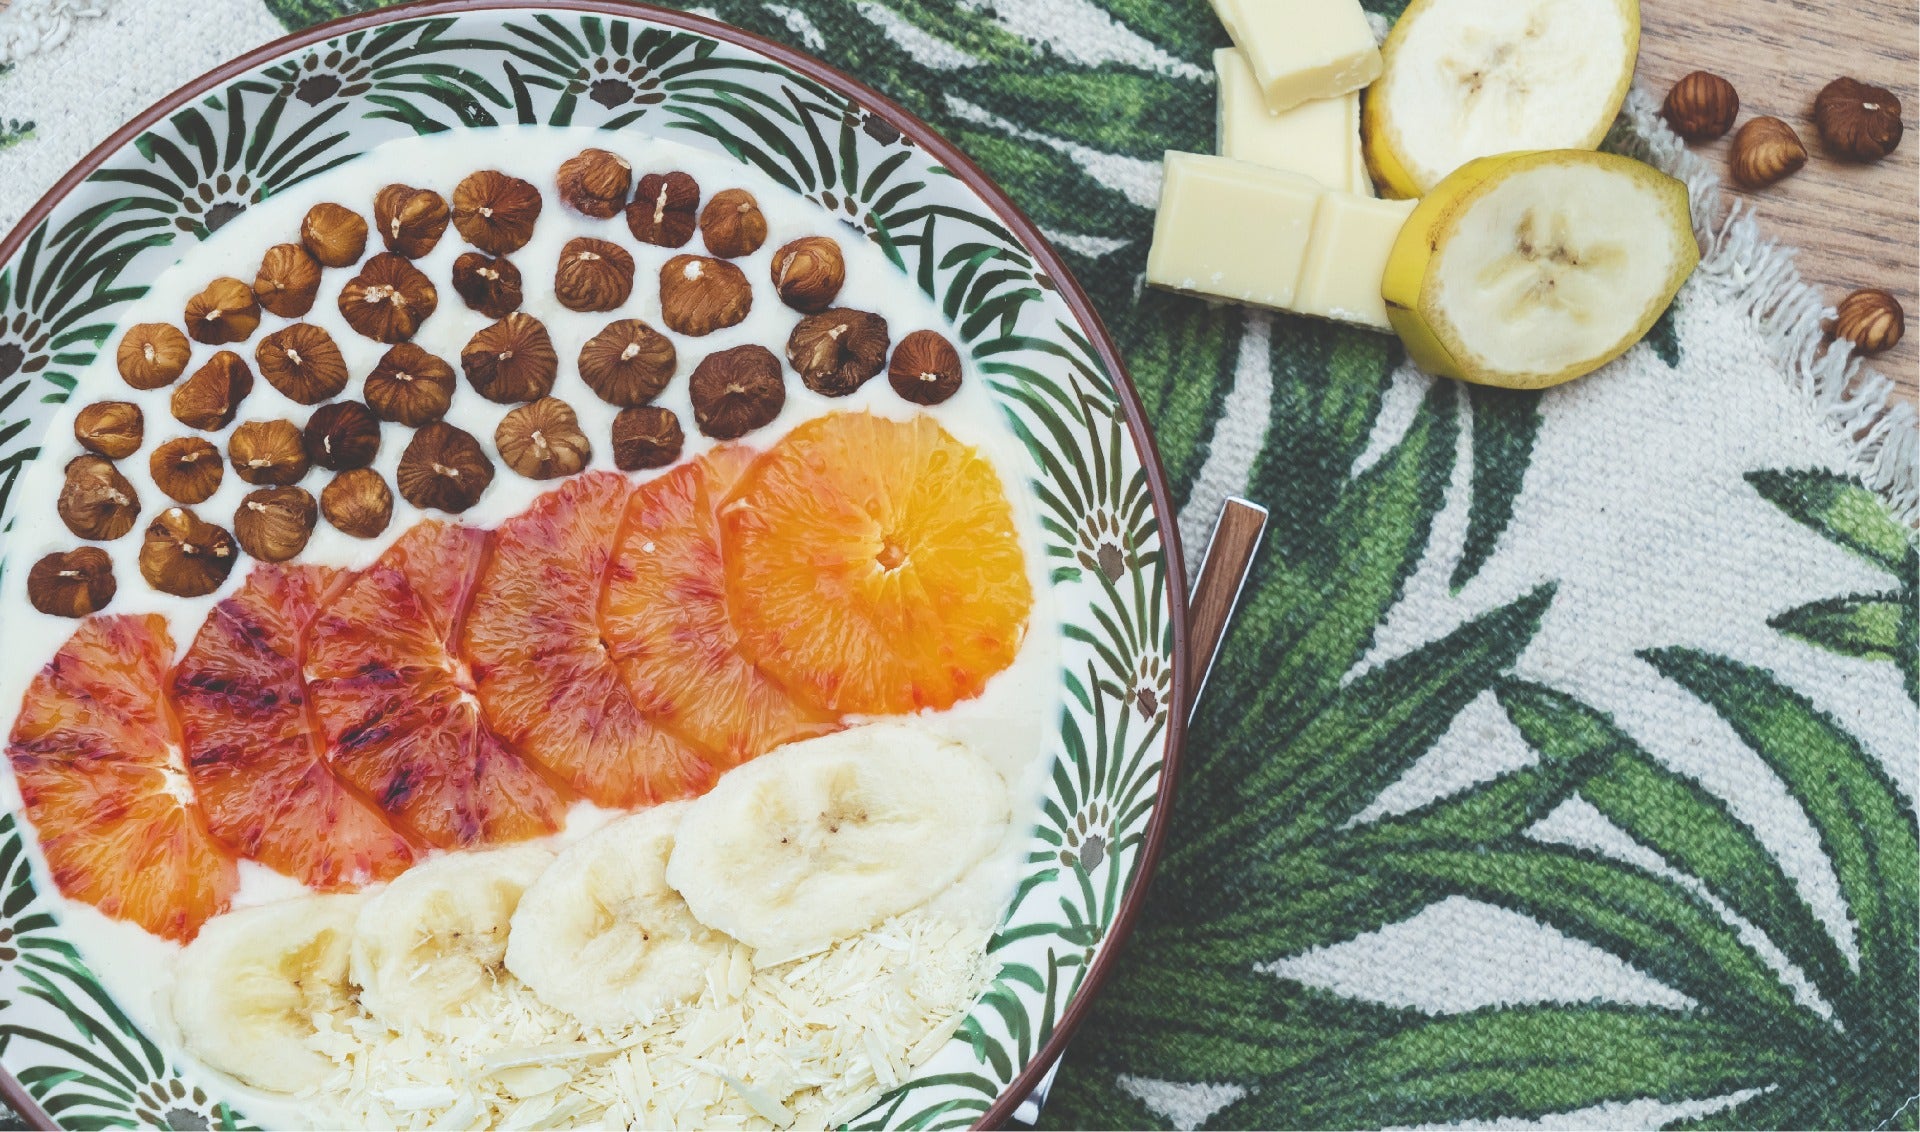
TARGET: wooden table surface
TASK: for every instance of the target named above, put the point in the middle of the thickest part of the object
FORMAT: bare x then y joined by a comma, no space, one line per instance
1854,225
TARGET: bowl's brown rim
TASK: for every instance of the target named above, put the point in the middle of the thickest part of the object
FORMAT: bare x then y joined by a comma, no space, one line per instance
1009,214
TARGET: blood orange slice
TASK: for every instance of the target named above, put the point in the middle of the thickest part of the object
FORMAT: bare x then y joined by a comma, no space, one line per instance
97,756
873,566
543,672
256,759
397,704
666,623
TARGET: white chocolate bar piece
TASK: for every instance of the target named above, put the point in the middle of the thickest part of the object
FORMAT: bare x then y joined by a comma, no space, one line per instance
1320,139
1347,257
1231,230
1302,49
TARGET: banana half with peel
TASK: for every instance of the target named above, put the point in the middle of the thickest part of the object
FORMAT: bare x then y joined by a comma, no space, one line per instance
602,936
822,839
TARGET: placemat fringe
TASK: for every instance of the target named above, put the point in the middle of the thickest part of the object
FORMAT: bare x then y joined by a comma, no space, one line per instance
28,27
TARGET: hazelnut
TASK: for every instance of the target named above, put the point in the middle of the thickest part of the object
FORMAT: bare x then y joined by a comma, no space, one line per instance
73,584
1764,151
1857,122
188,469
593,275
409,386
1872,320
388,300
96,501
152,354
808,273
1701,106
342,435
113,429
925,368
334,235
736,391
512,360
274,523
490,286
596,182
358,503
185,556
699,295
225,312
410,220
542,440
268,453
648,436
444,469
288,280
495,212
628,363
838,350
663,208
209,399
302,362
732,224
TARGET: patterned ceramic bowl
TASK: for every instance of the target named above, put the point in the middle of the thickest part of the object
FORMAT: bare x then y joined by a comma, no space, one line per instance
322,98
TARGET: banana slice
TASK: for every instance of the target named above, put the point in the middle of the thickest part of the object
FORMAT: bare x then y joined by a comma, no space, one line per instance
250,985
1530,269
1470,78
603,937
435,940
825,838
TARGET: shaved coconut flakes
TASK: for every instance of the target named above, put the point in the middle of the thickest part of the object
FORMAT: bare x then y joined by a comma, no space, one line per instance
808,1043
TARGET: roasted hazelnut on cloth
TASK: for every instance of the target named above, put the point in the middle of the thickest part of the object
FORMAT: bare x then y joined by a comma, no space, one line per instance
925,368
225,312
268,453
388,300
593,275
490,286
542,440
303,363
699,295
74,584
628,363
495,212
663,209
596,183
732,224
1872,320
185,556
511,361
274,523
96,502
808,273
410,386
113,429
334,235
1764,151
288,280
209,399
410,220
444,469
343,435
648,436
1701,106
188,469
736,391
152,354
1858,122
836,351
358,503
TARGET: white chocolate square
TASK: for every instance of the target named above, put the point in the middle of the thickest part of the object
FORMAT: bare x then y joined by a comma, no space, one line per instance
1232,230
1347,258
1302,49
1320,139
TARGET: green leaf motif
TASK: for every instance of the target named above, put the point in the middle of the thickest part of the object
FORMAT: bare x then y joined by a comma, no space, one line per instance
1505,423
297,14
14,131
1872,627
1843,512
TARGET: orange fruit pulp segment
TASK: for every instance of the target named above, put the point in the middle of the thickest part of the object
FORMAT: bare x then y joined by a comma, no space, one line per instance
95,751
873,566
